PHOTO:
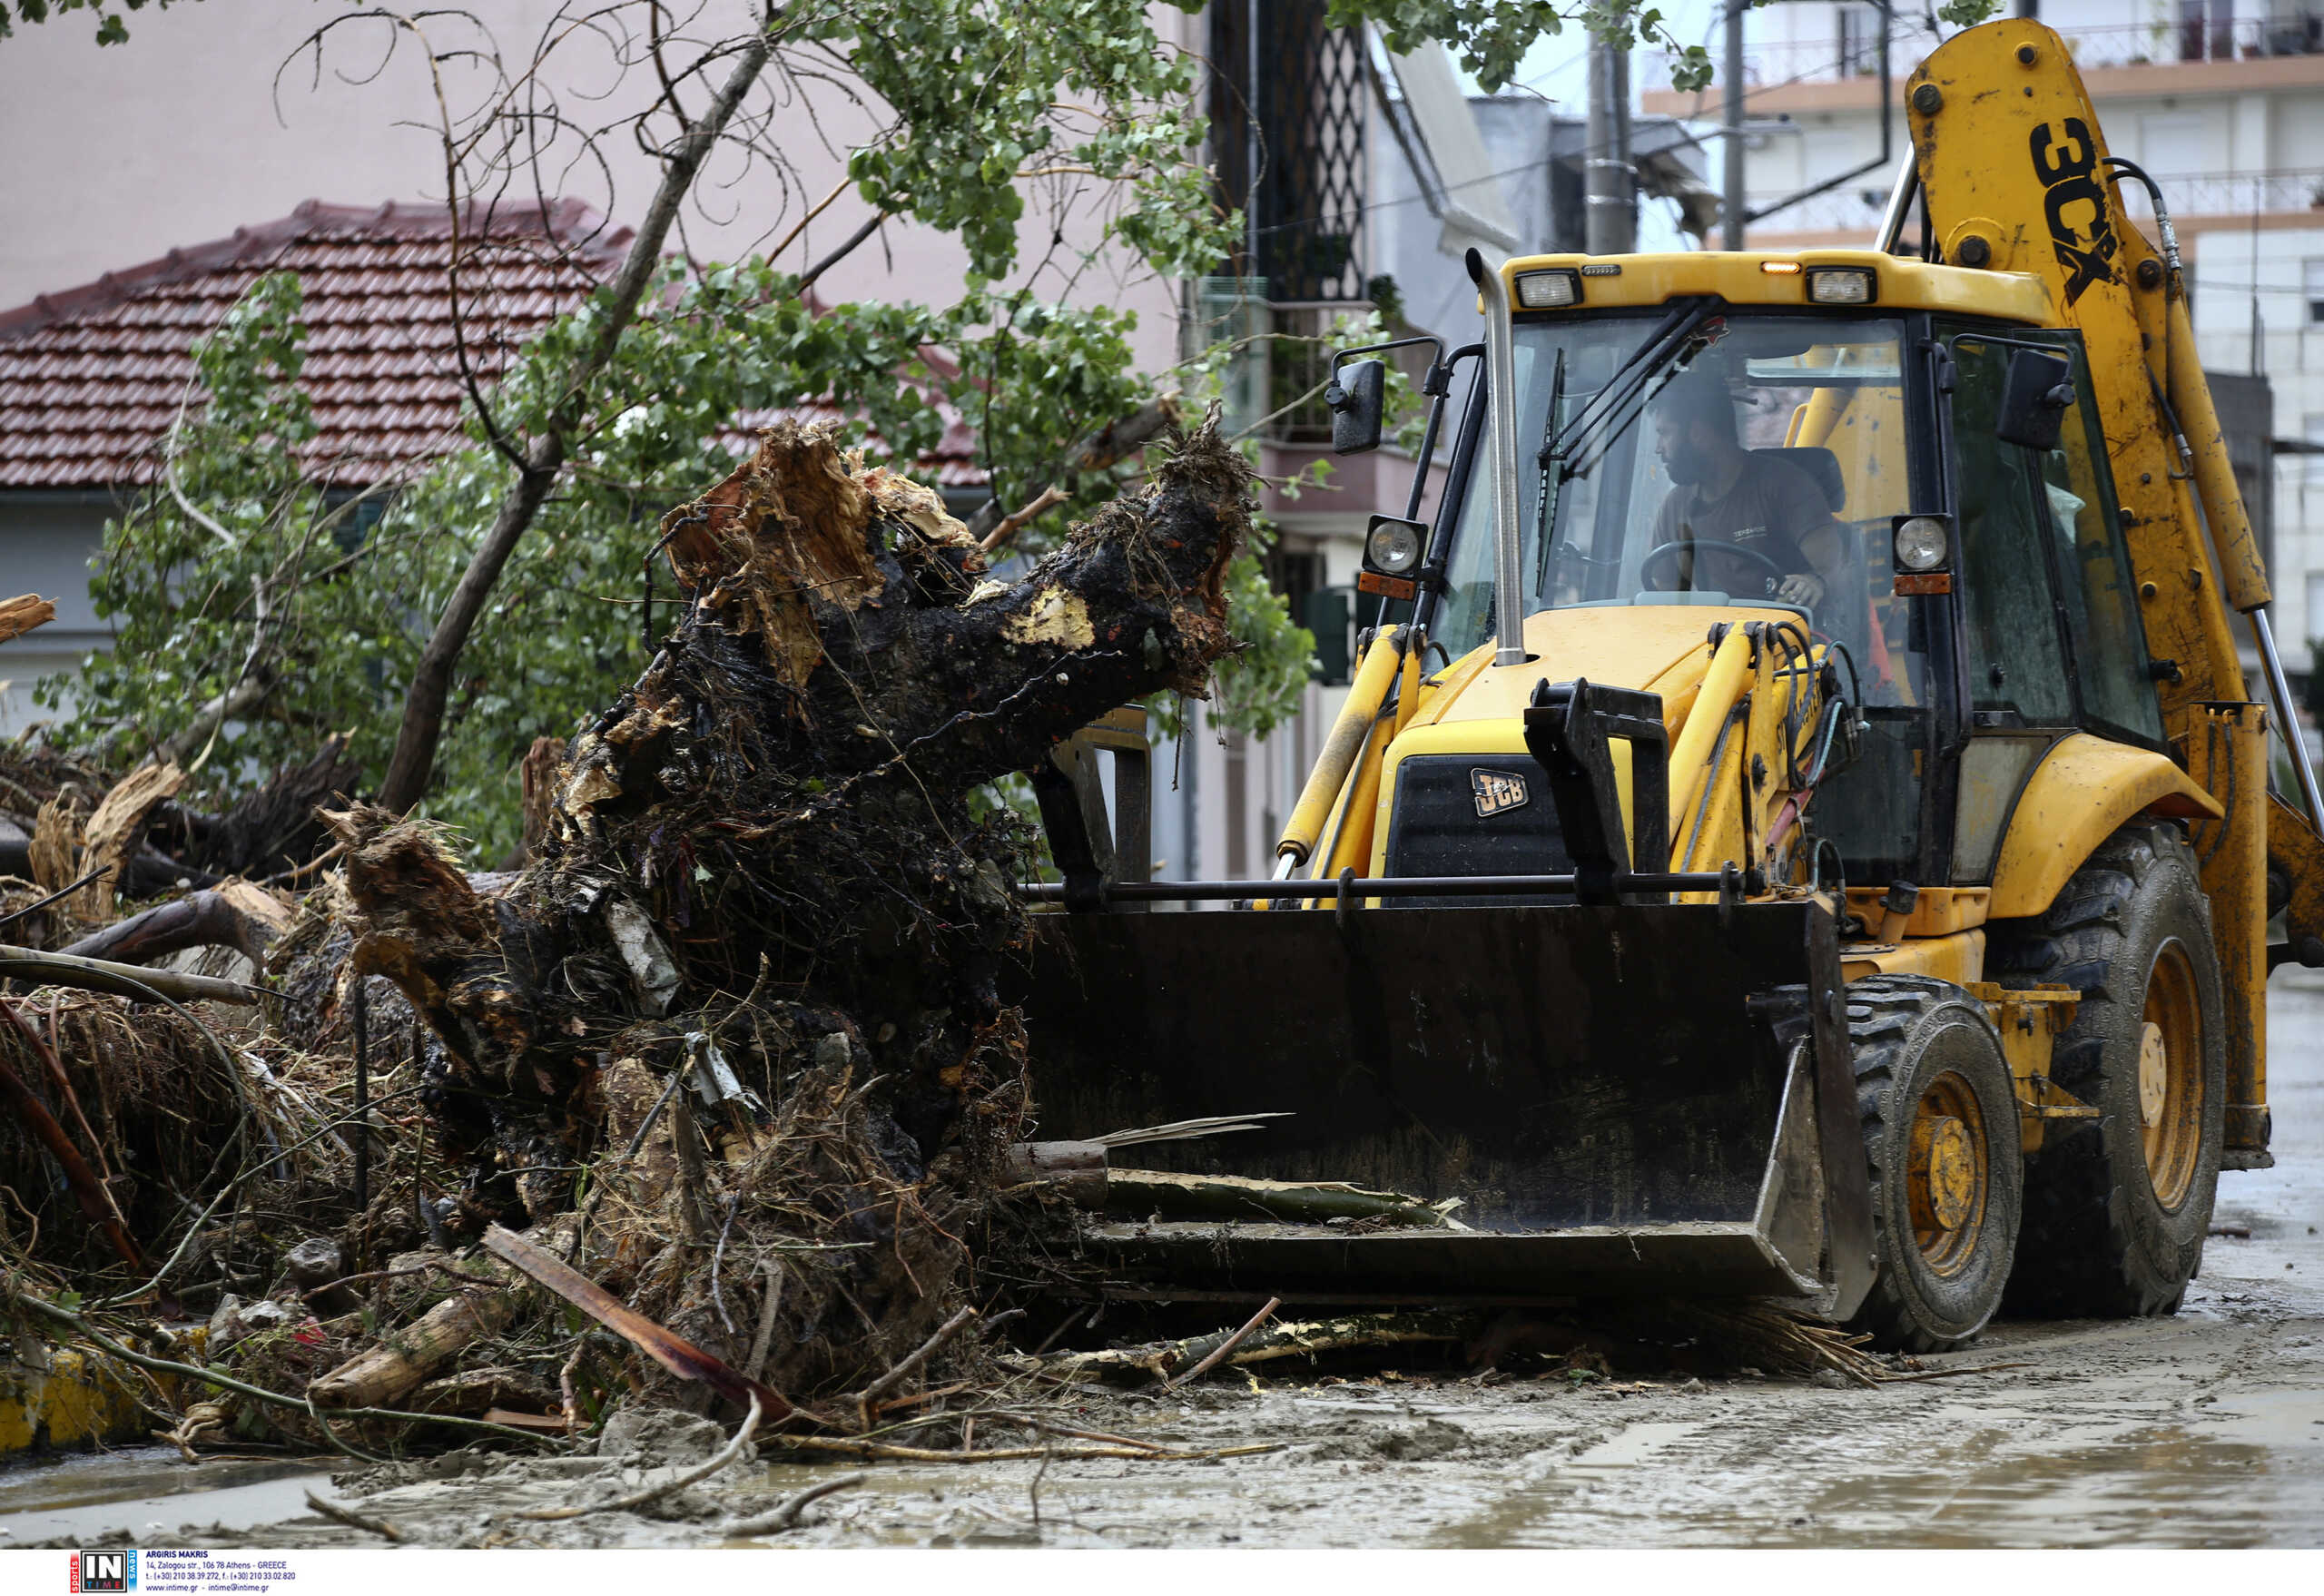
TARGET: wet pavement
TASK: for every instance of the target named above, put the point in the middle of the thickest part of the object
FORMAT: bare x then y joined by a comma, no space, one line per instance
2205,1429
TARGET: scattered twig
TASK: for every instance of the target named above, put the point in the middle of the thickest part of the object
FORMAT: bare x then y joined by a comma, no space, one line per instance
881,1449
783,1518
66,890
1015,521
95,1202
339,1513
1218,1354
869,1400
1948,1373
284,878
769,1304
653,1493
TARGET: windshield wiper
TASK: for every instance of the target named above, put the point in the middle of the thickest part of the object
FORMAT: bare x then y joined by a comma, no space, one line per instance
1613,411
1552,481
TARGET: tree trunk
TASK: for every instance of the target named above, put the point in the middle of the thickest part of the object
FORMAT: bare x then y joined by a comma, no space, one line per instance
414,759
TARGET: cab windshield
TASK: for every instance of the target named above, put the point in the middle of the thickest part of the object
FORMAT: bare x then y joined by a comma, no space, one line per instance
1685,454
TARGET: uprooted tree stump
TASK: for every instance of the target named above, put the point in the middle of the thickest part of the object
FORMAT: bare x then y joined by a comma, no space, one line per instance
764,867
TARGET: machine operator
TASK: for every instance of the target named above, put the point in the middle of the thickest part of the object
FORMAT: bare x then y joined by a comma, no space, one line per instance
1726,494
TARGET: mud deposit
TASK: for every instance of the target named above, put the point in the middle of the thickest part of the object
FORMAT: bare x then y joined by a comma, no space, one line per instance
2205,1429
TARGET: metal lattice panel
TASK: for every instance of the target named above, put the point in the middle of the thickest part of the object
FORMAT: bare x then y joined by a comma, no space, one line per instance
1291,113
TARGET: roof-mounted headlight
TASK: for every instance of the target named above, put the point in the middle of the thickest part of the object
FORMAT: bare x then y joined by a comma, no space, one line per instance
1840,285
1549,290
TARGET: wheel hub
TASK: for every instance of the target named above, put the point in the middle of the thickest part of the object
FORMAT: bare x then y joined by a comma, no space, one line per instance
1944,1173
2154,1075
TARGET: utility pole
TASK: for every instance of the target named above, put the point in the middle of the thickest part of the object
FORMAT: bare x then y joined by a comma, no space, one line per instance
1611,212
1731,210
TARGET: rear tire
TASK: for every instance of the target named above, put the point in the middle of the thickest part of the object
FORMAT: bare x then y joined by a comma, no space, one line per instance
2117,1207
1940,1130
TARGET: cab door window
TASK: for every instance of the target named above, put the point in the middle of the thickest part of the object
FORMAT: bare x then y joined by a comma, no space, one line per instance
2100,597
2011,636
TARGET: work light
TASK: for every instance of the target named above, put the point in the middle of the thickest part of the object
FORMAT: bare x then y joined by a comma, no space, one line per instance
1392,546
1840,285
1549,290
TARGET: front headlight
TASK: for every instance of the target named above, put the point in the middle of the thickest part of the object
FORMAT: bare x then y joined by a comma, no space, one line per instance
1923,543
1393,546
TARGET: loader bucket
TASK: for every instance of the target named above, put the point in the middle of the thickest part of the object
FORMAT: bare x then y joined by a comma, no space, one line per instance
1624,1100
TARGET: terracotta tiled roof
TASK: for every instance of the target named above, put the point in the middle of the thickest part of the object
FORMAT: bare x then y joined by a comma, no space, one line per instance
91,379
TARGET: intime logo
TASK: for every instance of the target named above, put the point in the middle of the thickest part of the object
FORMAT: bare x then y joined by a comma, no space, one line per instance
105,1570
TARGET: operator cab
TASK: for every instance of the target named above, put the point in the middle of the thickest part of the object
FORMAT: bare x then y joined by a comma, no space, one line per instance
1903,456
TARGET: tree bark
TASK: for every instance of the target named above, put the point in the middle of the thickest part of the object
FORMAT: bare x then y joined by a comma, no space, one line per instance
414,759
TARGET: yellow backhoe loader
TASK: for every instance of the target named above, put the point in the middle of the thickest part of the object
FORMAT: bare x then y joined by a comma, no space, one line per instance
1801,825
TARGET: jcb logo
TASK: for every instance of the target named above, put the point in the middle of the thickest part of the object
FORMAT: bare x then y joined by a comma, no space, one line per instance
1496,791
2084,240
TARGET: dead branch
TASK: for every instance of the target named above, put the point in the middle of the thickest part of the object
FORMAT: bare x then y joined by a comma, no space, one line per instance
122,980
339,1513
674,1352
21,614
1218,1354
207,919
784,1517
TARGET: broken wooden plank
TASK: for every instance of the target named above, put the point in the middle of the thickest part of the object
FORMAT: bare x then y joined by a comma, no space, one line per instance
665,1347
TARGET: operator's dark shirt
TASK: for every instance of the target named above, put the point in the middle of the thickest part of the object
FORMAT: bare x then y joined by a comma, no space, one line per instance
1772,506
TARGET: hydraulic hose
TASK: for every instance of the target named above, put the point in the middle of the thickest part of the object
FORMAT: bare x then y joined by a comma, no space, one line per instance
1729,673
1349,732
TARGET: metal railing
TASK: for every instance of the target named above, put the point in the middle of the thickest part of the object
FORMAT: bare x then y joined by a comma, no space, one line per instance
1856,211
1777,63
2234,194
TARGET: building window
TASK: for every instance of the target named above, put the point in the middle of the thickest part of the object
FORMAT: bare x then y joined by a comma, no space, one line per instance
2206,30
2311,283
1859,41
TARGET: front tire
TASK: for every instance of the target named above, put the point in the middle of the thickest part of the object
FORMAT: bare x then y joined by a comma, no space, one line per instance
2117,1207
1940,1131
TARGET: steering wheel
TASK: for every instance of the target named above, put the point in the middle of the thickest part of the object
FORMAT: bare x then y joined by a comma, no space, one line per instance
1651,576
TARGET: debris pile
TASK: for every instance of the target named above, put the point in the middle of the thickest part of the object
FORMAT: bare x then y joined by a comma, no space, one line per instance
713,1105
730,1050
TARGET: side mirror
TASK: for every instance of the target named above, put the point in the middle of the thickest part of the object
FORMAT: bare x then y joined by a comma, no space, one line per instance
1358,397
2035,394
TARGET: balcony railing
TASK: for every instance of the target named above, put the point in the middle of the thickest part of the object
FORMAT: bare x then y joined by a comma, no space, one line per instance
2213,194
1281,355
2197,36
2234,193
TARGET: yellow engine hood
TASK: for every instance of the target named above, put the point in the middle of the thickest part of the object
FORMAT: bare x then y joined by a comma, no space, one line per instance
1660,648
1477,707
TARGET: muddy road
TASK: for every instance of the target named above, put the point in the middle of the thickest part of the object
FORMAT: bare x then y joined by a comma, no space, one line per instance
2206,1428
